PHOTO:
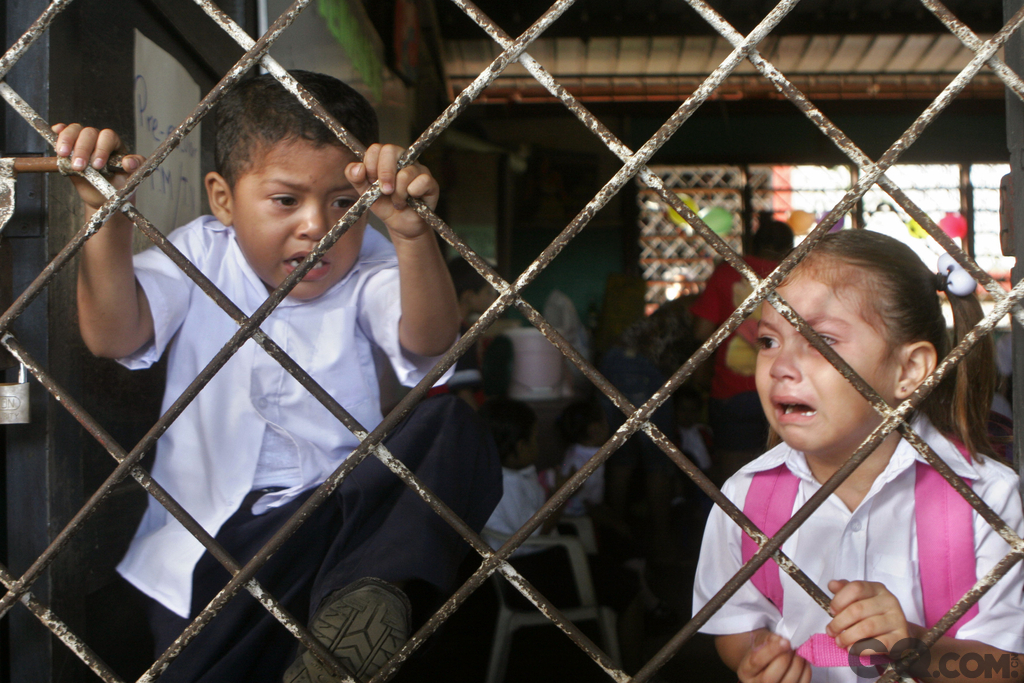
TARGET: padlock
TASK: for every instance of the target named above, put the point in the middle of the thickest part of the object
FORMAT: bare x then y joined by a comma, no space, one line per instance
14,400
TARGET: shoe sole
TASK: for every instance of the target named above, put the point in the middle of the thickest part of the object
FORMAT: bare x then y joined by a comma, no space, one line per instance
363,625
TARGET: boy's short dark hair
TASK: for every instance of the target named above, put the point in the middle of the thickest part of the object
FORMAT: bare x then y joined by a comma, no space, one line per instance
509,421
465,277
576,418
259,113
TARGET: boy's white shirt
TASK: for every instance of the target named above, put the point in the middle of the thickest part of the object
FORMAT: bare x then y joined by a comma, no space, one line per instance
206,460
876,542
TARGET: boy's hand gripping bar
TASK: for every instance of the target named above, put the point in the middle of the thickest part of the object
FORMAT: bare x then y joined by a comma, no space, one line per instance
10,167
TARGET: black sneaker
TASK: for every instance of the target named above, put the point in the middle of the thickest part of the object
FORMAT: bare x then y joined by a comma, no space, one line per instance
362,624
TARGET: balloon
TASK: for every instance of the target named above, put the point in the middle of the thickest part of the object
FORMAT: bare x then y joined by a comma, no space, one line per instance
674,215
800,221
916,230
718,219
954,225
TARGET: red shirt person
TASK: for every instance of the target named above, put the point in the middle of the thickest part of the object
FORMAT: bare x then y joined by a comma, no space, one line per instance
734,412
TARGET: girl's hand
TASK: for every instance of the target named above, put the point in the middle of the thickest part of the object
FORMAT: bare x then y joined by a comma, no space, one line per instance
771,659
866,609
381,163
91,147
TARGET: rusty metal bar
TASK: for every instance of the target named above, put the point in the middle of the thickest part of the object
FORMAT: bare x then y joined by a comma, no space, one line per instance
666,445
612,143
566,626
466,97
61,631
29,37
522,281
353,458
939,103
332,482
324,490
1010,79
455,350
38,123
994,316
609,389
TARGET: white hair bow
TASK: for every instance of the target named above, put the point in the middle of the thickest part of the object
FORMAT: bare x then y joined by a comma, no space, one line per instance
953,278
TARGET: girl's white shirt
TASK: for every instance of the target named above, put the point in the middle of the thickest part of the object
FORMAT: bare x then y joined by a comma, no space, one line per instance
875,542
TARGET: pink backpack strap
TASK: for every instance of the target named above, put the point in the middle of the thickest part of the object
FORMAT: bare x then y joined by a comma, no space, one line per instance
820,650
945,545
945,542
769,505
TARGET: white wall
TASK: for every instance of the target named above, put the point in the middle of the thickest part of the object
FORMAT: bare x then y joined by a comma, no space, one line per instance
309,44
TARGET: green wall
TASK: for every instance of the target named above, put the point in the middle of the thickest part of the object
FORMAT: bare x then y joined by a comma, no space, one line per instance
579,271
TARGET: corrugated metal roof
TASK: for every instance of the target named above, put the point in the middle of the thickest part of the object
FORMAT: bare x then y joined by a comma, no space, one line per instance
863,47
696,55
845,64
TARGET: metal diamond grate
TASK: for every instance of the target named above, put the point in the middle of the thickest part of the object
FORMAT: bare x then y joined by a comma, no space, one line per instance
514,50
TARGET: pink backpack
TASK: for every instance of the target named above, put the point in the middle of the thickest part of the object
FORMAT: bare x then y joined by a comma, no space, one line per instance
945,542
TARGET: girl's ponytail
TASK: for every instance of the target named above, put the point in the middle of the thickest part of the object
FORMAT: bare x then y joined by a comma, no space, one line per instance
961,404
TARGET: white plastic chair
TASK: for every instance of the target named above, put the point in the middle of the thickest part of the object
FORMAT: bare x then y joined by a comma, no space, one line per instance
512,618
